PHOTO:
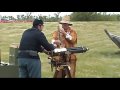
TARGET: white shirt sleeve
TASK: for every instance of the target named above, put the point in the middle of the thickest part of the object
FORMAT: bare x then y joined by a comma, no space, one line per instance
68,36
53,43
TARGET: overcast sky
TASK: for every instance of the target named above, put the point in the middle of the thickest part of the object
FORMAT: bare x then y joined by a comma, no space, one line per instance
14,14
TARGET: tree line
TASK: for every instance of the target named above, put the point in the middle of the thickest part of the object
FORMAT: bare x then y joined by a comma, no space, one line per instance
94,16
75,16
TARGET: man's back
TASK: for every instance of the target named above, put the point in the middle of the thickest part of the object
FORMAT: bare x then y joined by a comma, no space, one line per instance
29,40
33,39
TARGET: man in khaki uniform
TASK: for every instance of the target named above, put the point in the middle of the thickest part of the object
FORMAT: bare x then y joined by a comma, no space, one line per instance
66,37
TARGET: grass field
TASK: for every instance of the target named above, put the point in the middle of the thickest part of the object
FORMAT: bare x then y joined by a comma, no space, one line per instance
101,61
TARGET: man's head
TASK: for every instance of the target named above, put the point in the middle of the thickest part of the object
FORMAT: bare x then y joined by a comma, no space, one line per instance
65,22
38,23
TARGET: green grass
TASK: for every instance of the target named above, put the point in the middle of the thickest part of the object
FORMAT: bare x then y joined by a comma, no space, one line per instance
101,61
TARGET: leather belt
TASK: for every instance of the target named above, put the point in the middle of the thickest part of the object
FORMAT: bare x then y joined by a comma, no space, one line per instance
30,52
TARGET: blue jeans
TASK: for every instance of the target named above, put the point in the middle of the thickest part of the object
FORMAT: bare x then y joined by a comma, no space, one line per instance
29,68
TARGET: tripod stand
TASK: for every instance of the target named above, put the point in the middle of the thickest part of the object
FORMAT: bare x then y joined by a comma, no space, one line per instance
62,72
62,67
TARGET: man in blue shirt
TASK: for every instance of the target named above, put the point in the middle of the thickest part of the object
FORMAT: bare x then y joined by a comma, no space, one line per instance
33,41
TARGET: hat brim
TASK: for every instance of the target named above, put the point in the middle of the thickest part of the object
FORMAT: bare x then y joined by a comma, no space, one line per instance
65,23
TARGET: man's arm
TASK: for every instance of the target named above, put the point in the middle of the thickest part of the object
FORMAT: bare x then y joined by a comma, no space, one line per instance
44,42
70,36
55,41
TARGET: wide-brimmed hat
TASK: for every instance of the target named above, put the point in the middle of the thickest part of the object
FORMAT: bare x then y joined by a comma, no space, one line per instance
66,19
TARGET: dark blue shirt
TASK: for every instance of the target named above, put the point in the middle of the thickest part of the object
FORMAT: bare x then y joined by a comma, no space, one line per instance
33,39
